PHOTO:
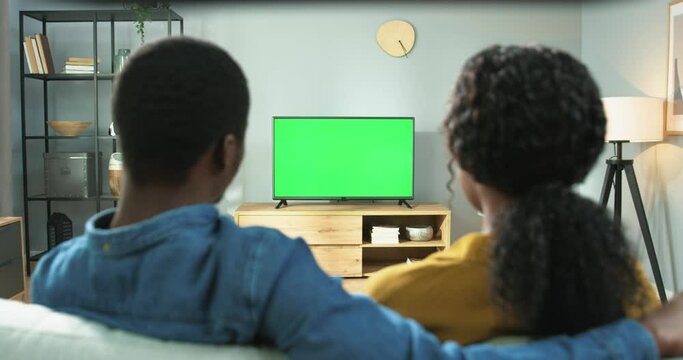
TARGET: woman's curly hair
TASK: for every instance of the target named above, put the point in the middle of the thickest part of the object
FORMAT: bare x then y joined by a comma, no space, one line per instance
529,122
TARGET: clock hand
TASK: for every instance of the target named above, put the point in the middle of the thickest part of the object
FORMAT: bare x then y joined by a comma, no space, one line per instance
404,48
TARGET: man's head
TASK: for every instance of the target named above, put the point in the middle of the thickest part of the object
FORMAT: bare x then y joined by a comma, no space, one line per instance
180,109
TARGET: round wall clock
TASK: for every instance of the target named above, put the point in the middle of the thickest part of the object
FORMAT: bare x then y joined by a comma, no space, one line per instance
396,37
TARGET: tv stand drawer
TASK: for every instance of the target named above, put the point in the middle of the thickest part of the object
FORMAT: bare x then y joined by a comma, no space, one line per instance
339,260
314,229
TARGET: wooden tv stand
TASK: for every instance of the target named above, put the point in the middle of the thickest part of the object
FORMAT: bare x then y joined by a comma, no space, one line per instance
339,235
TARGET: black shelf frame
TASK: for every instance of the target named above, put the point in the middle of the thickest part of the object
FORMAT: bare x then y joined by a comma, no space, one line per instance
102,197
80,137
73,16
69,77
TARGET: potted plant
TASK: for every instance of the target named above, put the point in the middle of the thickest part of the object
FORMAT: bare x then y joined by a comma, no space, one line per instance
143,13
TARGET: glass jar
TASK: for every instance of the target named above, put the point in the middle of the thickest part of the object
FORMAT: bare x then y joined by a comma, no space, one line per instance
120,59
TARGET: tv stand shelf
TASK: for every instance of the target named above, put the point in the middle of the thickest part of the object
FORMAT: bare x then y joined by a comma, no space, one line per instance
338,234
407,244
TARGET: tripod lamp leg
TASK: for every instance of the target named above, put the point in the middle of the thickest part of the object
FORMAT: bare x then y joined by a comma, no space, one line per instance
607,185
645,229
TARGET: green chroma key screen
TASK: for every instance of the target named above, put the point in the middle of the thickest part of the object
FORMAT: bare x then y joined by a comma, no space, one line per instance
318,158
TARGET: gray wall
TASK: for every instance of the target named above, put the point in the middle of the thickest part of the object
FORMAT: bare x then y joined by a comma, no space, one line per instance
625,46
323,60
307,58
5,123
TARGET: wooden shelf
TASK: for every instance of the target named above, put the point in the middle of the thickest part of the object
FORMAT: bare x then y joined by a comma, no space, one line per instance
371,267
406,243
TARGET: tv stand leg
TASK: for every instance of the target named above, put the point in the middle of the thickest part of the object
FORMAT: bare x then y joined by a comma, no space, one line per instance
404,202
281,203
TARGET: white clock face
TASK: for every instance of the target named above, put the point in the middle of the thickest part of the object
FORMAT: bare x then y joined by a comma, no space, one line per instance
396,37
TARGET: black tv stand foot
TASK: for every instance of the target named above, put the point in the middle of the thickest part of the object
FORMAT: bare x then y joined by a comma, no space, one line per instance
404,202
281,203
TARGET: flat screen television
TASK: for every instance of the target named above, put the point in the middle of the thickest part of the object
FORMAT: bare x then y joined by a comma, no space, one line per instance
343,158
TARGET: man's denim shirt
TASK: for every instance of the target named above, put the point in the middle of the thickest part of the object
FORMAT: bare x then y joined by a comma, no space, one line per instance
192,275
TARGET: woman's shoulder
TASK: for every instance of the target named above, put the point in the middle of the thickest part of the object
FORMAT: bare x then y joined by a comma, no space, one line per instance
452,267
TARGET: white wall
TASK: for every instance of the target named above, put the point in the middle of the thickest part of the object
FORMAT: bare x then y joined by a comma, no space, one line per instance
307,58
5,120
625,46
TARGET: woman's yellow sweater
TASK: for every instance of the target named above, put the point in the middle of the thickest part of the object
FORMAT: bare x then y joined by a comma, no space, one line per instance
448,292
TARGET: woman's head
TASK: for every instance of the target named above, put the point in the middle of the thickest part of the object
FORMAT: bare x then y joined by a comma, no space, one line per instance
524,117
527,123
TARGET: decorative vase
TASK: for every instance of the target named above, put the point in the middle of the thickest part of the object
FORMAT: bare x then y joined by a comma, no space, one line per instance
120,59
116,173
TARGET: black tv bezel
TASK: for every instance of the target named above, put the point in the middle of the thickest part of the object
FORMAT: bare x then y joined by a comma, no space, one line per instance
411,197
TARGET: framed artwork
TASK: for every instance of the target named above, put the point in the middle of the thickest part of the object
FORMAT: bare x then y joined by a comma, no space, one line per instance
674,93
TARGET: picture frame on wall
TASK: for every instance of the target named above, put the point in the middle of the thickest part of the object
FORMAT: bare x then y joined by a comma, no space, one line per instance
673,123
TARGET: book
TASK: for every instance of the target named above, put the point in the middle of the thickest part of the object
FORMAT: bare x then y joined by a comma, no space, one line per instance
45,53
71,60
66,71
384,234
90,68
41,53
29,64
37,55
32,57
78,64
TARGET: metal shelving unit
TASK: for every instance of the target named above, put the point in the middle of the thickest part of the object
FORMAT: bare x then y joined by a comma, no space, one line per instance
76,16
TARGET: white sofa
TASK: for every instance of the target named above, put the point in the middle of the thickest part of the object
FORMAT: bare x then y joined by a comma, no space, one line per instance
29,332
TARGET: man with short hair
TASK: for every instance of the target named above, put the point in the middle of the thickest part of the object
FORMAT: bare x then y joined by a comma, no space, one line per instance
166,264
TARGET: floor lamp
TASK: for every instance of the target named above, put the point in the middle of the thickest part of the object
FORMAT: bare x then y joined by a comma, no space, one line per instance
632,119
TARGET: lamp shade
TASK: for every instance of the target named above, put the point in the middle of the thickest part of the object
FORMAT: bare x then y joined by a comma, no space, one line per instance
634,119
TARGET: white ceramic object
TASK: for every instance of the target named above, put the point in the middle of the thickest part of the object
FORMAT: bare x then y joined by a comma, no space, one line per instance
420,232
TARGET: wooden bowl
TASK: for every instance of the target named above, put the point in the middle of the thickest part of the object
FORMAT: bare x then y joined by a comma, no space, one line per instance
69,128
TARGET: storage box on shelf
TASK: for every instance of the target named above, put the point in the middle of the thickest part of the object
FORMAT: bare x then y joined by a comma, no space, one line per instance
70,175
339,235
94,137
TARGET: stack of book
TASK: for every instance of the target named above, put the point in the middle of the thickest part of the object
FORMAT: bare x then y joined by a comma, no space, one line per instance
38,54
384,234
79,65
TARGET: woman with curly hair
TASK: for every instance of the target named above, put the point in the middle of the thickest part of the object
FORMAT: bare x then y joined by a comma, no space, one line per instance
526,124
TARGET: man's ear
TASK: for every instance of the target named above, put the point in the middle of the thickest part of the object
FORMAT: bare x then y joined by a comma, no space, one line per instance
232,153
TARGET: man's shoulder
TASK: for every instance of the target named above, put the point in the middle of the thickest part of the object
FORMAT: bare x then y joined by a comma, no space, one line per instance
66,249
58,261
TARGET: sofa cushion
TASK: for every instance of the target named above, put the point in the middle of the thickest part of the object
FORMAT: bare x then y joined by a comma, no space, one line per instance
29,331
